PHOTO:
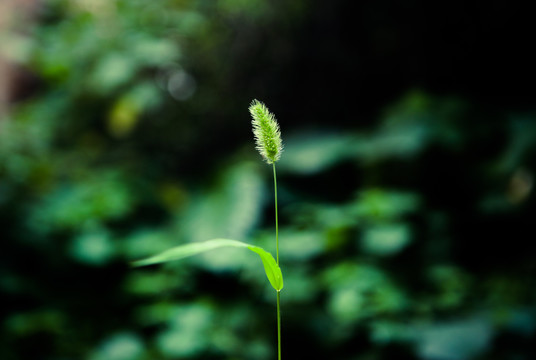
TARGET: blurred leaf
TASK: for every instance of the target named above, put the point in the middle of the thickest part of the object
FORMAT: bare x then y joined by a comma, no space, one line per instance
123,117
93,247
461,339
421,118
112,71
402,134
154,313
301,286
181,342
386,239
452,283
361,291
190,23
191,316
522,321
401,141
385,331
150,51
188,331
312,153
300,245
231,209
522,134
121,346
381,204
125,112
144,242
90,200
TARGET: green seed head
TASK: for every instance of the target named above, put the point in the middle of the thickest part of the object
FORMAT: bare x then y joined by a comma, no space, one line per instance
266,131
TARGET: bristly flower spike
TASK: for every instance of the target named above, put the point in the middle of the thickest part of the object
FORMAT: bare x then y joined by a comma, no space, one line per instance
266,130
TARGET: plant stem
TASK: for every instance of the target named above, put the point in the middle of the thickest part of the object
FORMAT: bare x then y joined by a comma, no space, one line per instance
278,327
276,223
277,260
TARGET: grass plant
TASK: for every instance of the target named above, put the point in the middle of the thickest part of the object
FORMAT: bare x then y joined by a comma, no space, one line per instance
269,144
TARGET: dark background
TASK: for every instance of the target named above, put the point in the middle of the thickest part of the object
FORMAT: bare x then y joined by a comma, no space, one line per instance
405,187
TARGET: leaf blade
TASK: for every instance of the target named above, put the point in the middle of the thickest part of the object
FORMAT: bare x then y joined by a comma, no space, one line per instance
271,269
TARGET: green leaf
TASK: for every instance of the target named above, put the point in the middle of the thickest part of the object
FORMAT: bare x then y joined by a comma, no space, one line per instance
273,271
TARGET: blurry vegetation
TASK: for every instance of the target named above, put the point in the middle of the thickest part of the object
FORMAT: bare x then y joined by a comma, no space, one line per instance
407,234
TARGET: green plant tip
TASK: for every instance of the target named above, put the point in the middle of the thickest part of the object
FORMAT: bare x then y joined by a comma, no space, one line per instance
267,133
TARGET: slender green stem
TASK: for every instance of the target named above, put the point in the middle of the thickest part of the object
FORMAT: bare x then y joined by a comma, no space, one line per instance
278,327
276,223
277,260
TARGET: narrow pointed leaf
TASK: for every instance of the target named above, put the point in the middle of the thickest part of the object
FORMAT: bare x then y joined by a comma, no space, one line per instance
272,270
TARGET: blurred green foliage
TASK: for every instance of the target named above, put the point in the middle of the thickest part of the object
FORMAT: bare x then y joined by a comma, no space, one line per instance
409,238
